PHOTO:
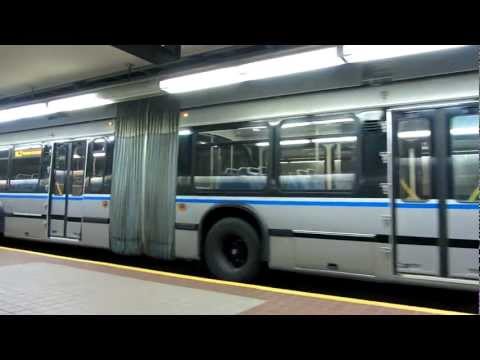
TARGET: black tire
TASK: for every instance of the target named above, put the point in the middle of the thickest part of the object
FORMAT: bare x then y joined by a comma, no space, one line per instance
225,247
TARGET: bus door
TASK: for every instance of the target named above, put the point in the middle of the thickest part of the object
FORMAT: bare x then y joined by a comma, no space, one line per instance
434,227
66,190
462,124
417,221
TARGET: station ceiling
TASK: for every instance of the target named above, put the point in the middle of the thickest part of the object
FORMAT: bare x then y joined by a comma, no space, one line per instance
30,68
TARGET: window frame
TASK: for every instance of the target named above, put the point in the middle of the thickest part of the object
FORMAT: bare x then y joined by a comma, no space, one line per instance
192,189
358,156
9,167
430,115
466,109
89,162
12,167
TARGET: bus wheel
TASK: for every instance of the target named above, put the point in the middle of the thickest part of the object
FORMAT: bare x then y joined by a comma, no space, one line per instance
232,250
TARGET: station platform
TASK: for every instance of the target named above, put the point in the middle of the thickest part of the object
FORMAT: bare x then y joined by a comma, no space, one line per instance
34,283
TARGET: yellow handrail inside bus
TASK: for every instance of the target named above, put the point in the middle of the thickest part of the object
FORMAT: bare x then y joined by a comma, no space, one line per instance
406,188
474,196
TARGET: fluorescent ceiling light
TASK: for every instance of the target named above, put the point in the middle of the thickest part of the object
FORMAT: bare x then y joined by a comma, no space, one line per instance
360,53
99,154
464,131
184,132
291,64
68,104
263,144
77,103
22,112
341,139
280,66
295,142
200,81
414,134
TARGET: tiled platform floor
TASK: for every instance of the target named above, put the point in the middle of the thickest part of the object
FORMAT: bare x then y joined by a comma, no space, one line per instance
33,283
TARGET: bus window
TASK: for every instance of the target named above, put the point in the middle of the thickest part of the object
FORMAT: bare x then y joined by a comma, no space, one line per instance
318,154
99,166
26,168
233,159
77,168
414,153
4,156
45,169
184,162
464,147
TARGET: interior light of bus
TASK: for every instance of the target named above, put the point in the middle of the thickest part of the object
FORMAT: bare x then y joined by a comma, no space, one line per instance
341,139
301,162
465,131
361,53
99,154
370,115
298,124
262,69
184,132
414,134
333,121
262,144
77,103
295,142
22,112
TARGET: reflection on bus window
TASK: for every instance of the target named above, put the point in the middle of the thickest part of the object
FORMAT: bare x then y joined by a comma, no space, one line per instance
318,154
60,169
414,153
45,169
184,164
77,167
464,146
26,168
233,159
99,166
4,155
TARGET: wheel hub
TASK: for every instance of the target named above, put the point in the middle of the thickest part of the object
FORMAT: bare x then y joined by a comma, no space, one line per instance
236,252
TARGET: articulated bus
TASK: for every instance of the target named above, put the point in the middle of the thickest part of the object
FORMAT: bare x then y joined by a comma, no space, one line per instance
368,183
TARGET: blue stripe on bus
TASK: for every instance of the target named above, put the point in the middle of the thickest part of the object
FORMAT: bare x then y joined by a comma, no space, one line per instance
375,204
327,203
54,197
285,202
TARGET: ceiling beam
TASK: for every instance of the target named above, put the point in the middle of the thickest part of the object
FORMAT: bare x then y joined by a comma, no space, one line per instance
155,54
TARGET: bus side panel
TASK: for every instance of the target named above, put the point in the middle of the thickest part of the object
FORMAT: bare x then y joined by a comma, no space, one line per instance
361,223
25,216
96,224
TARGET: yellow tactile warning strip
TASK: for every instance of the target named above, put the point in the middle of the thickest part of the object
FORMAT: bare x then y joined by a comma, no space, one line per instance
248,286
